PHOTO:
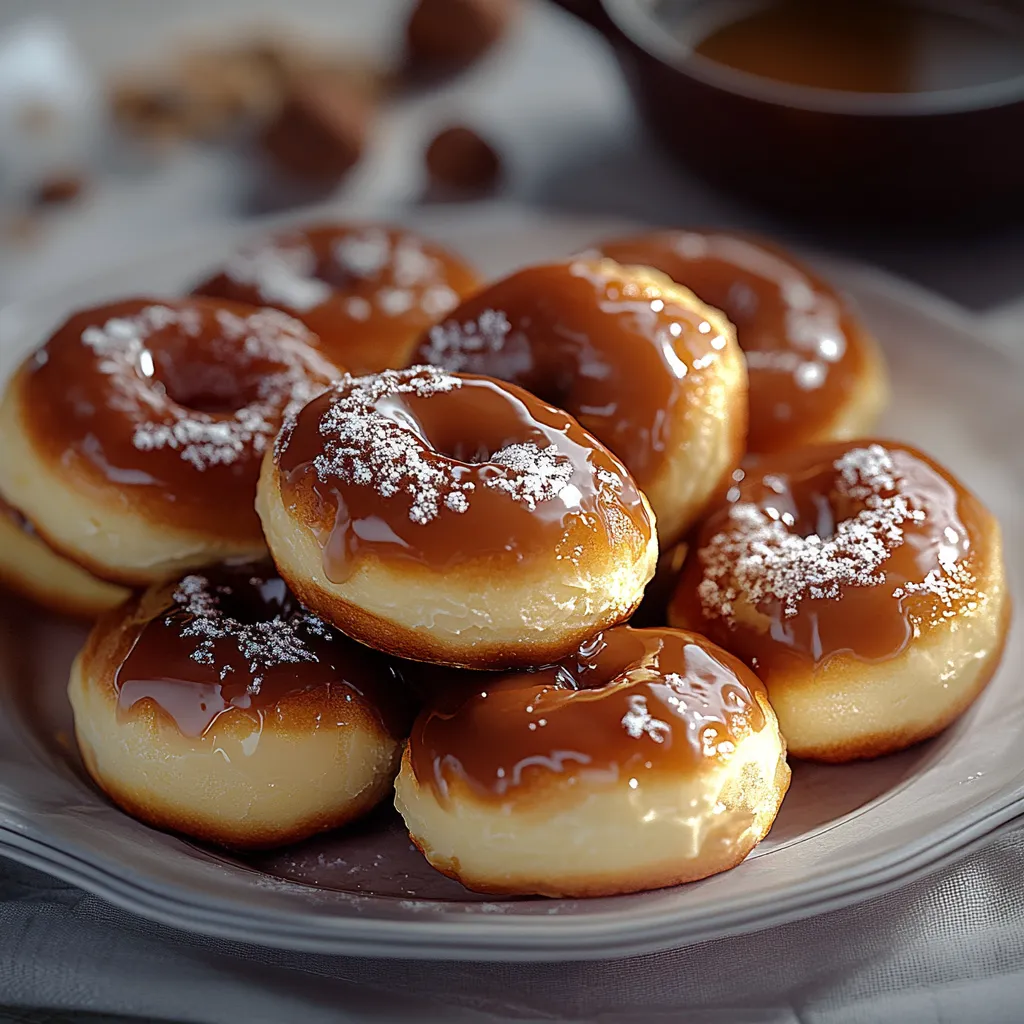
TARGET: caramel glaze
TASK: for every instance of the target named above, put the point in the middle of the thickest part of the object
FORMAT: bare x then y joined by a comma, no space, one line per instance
585,335
629,705
806,352
84,407
251,676
459,430
866,623
384,286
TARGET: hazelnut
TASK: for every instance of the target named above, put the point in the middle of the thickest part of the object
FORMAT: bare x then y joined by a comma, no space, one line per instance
459,159
449,35
320,131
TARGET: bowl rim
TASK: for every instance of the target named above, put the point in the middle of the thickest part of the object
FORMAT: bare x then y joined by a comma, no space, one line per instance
638,23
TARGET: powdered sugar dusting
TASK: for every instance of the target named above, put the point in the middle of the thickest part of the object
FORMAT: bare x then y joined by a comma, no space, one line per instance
537,474
410,278
758,559
203,439
264,645
285,272
455,345
282,275
638,721
952,583
366,447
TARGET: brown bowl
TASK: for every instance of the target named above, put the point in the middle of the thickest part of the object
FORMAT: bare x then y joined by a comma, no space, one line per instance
955,154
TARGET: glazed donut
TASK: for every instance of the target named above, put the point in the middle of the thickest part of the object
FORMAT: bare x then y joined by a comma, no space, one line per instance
30,568
368,291
646,367
649,758
454,519
132,439
863,584
816,374
218,707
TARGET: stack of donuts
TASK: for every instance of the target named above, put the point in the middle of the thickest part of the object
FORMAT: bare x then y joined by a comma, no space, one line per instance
562,563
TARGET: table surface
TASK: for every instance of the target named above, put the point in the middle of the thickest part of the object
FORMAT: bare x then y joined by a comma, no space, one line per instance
552,101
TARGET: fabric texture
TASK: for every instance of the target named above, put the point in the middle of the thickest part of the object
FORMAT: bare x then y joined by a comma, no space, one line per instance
946,949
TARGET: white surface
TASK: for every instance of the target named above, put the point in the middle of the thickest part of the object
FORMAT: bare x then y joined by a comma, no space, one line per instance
843,833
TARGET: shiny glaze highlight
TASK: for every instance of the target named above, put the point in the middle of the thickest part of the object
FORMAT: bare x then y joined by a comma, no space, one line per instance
806,352
459,431
629,705
161,663
613,348
867,623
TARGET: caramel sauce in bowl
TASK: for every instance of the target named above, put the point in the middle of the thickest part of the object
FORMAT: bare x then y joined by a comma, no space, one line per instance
910,125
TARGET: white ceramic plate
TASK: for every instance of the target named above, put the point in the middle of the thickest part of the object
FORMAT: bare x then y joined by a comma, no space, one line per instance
844,833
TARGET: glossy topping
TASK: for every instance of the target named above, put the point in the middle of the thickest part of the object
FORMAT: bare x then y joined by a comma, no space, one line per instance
616,349
238,641
170,404
839,549
367,291
629,704
425,467
805,350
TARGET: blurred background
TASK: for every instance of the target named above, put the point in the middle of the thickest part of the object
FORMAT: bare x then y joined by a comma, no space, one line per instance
893,132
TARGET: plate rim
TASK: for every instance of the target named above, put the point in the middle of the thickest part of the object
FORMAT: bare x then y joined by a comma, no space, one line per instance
600,931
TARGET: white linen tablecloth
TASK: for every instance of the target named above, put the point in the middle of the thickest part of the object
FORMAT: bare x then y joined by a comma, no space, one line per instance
946,949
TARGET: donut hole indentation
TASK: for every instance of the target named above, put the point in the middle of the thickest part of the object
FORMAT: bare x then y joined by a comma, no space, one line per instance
475,422
213,386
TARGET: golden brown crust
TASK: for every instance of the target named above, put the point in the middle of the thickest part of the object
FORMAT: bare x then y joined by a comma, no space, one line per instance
392,638
880,744
292,760
174,817
29,567
662,876
501,583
